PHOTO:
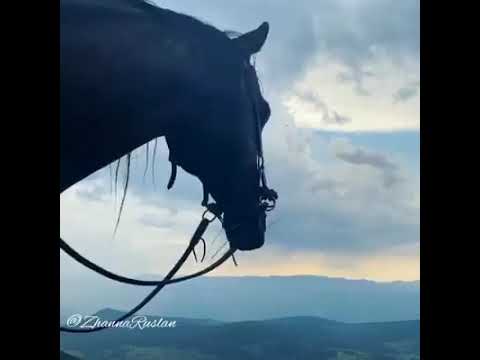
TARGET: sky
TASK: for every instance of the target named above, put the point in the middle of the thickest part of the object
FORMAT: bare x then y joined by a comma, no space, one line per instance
342,149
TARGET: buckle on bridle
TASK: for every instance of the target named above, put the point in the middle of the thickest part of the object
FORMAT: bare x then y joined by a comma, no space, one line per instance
212,212
268,198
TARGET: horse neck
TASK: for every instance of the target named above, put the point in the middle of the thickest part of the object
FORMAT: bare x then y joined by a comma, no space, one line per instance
113,102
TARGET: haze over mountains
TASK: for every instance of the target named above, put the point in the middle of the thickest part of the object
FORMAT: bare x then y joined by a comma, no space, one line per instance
254,298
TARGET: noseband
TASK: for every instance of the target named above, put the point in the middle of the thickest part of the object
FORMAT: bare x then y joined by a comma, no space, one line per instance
266,202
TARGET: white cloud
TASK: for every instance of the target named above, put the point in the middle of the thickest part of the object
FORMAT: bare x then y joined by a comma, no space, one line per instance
375,111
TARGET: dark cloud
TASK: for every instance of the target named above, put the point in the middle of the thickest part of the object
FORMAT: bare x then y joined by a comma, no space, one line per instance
407,92
358,156
362,157
329,230
356,77
319,106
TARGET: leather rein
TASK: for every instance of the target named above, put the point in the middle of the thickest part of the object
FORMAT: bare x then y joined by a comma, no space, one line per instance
208,217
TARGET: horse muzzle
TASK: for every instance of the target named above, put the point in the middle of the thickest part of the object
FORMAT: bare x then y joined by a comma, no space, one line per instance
249,234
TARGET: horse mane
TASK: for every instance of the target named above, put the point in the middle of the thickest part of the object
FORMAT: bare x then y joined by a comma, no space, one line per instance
152,9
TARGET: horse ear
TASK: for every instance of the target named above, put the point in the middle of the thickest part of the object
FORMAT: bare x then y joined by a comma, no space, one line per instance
252,42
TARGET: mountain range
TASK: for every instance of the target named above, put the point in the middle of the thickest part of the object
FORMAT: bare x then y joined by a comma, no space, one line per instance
254,298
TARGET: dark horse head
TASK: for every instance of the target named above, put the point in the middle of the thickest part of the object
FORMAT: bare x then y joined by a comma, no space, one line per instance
224,152
132,72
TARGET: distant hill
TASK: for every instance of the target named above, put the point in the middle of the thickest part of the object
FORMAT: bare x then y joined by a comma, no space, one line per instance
256,298
65,356
281,339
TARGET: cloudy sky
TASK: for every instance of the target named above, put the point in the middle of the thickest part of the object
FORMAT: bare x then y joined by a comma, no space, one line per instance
342,149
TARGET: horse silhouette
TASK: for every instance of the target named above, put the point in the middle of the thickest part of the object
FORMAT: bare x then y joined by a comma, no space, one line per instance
132,72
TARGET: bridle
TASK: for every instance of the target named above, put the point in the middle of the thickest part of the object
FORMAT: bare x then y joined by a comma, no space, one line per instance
267,196
267,201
